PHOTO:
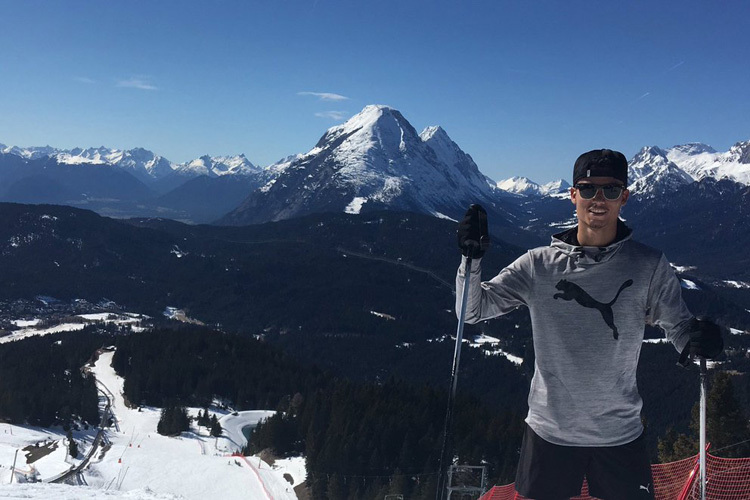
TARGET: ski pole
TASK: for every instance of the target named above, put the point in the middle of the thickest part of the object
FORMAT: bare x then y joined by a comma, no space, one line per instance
454,381
702,450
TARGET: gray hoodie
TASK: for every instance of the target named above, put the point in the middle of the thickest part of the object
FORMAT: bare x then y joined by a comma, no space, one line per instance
588,306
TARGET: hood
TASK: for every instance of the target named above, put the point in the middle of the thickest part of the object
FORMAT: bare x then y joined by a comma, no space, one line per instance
567,243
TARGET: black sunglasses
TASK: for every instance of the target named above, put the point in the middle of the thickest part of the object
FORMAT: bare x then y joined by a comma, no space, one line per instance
611,191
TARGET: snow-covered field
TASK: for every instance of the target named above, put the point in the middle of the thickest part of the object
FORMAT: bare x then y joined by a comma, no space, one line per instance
141,464
30,328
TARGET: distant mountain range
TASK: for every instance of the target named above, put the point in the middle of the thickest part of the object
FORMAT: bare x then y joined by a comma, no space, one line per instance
127,183
654,170
149,168
374,161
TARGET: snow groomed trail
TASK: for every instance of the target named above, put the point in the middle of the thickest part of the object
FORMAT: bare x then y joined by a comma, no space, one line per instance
134,461
193,465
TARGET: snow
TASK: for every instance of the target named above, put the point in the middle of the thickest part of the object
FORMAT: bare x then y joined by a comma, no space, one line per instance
180,315
21,323
382,315
690,285
66,492
216,166
196,464
32,332
701,161
520,185
28,327
526,187
356,205
682,269
177,252
687,163
141,464
142,162
378,156
117,318
443,216
233,439
482,339
736,284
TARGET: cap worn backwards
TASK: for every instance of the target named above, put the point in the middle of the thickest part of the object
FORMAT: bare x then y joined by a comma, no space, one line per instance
601,163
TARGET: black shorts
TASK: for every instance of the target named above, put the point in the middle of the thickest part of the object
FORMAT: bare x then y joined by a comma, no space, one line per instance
548,471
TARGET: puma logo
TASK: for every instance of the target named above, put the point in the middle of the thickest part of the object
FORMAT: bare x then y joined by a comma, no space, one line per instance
571,291
647,488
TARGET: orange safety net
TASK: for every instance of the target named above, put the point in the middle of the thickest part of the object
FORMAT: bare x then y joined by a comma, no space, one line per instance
726,479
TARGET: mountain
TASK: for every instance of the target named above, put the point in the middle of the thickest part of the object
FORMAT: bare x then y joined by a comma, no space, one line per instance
520,185
33,153
132,183
702,161
652,173
321,273
705,224
141,163
145,165
218,166
45,180
527,187
204,199
374,161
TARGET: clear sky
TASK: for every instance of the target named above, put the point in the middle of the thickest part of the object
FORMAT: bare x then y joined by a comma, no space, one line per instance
523,86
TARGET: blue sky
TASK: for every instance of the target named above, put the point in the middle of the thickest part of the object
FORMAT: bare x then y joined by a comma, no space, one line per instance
523,87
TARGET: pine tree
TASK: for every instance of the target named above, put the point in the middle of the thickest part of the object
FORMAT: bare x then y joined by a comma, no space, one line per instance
725,426
216,429
174,420
72,445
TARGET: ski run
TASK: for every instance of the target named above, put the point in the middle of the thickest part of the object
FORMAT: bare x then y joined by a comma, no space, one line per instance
135,462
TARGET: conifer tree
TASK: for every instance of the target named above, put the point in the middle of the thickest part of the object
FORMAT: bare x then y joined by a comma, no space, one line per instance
72,445
215,427
726,425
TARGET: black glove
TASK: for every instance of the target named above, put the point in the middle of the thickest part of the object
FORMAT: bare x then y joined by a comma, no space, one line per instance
705,340
473,237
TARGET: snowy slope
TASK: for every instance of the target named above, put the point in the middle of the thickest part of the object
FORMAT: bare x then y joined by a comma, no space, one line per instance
142,163
652,172
526,187
520,185
139,463
218,166
376,160
700,161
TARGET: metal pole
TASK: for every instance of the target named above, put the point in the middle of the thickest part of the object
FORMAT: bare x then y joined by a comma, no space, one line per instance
13,469
702,450
454,381
460,331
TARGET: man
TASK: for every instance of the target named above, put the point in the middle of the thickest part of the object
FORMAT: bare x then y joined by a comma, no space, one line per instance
590,294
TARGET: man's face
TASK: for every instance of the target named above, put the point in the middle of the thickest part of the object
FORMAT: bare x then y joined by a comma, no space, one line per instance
598,212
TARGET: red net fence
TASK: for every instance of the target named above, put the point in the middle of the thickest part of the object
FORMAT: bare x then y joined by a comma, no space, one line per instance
726,479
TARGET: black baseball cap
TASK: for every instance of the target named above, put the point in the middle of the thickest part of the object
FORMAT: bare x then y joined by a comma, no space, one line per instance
601,163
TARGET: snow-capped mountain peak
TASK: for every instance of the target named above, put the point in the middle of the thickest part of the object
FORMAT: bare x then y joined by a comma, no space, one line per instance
693,148
651,170
520,185
700,161
740,153
31,153
526,187
375,159
556,187
215,166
